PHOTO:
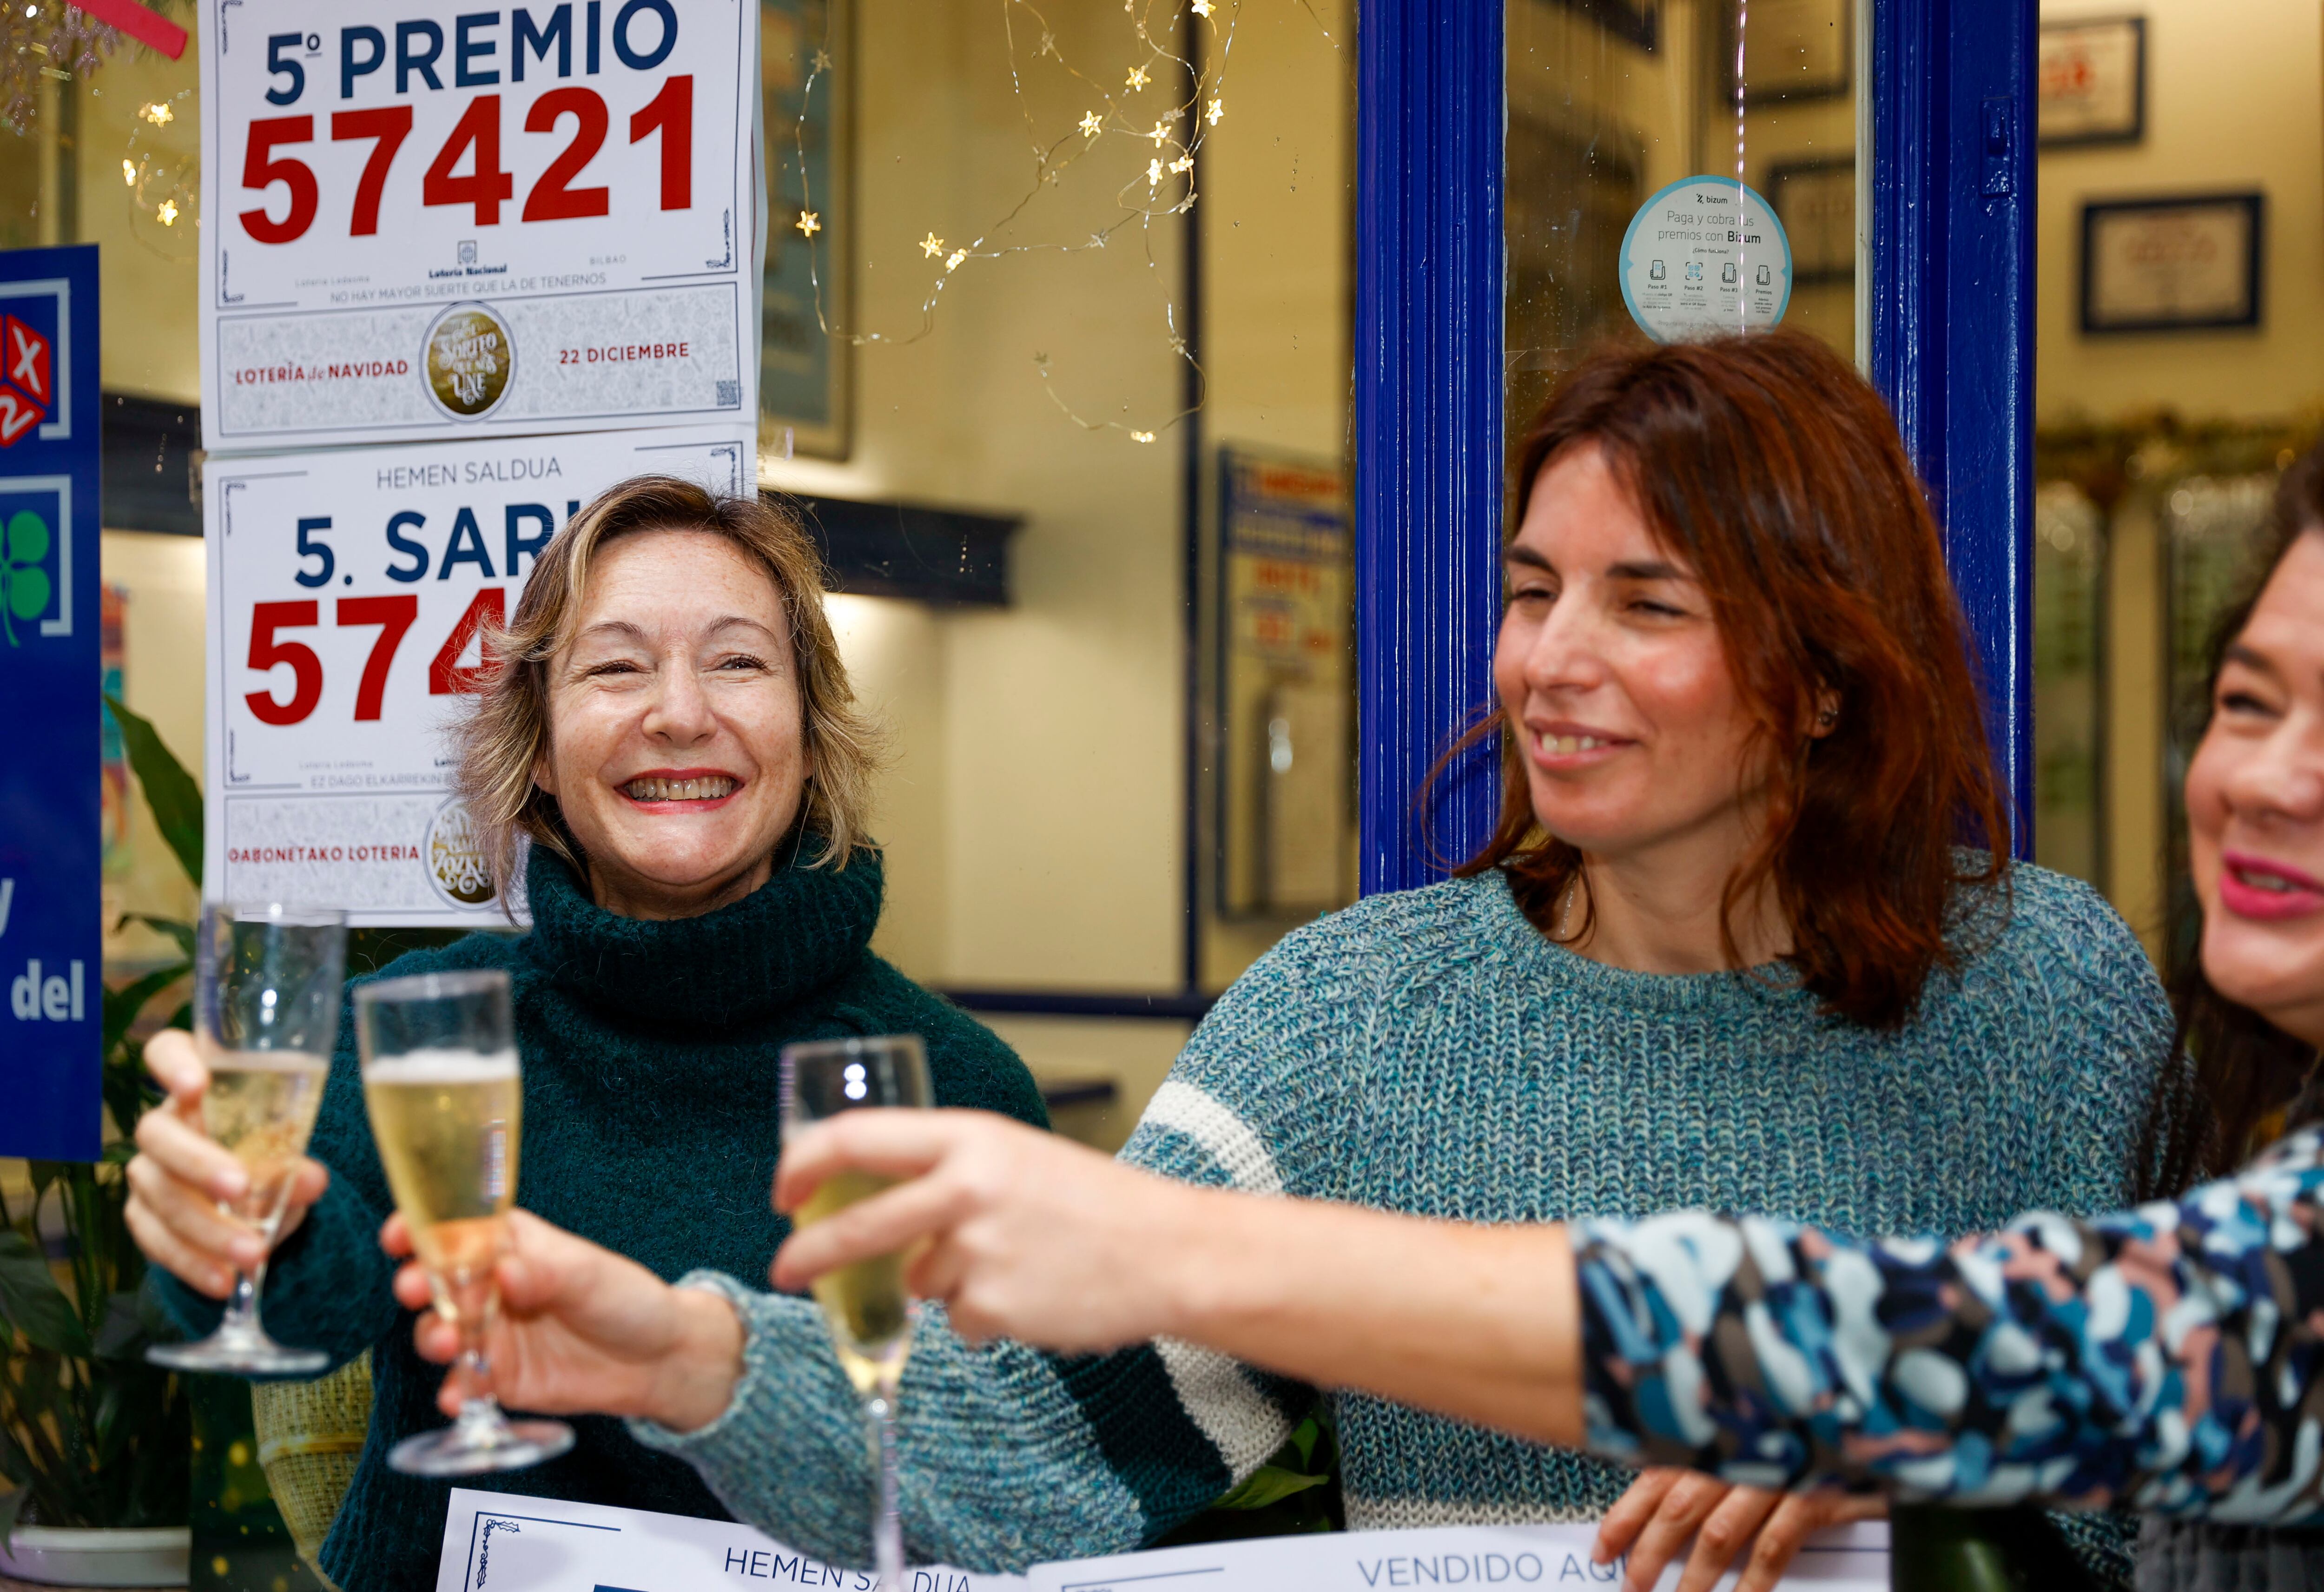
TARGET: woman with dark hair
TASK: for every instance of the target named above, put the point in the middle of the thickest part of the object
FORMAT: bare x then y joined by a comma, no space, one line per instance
2169,1357
1724,949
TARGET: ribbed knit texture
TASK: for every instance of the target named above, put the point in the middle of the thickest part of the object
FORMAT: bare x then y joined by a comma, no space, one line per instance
652,1123
1431,1051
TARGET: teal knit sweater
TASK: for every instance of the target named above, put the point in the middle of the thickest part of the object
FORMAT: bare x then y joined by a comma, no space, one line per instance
650,1126
1431,1051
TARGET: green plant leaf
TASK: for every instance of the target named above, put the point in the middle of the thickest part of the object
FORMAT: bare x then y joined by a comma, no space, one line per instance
33,1303
125,1334
122,1005
1270,1484
171,793
182,933
11,1505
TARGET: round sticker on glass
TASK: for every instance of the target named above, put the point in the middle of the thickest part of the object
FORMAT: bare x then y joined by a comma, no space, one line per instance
1705,256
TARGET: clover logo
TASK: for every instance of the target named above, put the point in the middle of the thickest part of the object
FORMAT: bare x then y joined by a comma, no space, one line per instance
23,584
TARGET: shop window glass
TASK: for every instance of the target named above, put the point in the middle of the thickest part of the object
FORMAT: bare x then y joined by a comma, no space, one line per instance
1611,103
2174,379
1137,774
1079,453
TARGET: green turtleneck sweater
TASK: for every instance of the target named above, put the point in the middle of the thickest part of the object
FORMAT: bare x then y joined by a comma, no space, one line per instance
650,1126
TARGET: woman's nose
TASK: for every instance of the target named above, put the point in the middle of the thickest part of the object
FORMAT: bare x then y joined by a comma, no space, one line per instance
2284,776
1563,653
680,712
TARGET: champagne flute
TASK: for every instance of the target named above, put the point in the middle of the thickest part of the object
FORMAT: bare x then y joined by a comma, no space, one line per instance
865,1304
266,1012
446,1097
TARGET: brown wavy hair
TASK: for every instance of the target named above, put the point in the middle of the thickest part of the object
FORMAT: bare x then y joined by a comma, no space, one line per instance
499,745
1774,469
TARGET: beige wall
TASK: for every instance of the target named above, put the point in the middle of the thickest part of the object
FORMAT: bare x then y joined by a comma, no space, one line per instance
2235,100
1034,809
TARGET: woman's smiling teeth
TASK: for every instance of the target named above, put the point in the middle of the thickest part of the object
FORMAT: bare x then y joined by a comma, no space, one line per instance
678,790
1565,746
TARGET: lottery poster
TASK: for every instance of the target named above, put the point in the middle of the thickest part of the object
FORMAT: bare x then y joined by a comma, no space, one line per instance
429,220
346,594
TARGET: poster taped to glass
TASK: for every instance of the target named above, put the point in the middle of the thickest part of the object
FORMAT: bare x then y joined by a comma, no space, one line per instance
346,593
428,220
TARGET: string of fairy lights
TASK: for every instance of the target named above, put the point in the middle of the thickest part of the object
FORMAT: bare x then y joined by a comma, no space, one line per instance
1157,31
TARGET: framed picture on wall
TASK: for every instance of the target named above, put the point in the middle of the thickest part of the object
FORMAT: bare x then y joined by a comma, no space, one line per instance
2092,74
1789,49
1816,202
2173,264
807,71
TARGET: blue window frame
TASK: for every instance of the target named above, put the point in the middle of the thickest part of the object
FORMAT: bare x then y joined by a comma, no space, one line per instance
1950,345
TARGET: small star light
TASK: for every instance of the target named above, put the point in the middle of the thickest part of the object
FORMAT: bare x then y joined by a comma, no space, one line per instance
1218,109
1138,79
953,259
1201,7
1142,436
932,246
807,223
823,60
1091,127
129,173
1161,134
1183,163
1153,174
167,213
160,114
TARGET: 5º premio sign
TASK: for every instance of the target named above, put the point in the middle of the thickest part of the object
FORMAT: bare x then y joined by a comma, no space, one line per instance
428,220
50,834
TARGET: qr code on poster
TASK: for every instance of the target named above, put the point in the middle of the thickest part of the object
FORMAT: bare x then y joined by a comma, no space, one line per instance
730,395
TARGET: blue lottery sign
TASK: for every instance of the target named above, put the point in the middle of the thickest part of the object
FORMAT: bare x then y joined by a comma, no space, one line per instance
51,830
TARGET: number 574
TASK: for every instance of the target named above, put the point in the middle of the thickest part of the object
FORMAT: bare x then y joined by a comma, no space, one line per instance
394,615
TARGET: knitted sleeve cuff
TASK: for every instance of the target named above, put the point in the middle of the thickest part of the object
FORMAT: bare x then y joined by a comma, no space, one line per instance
768,1349
787,1453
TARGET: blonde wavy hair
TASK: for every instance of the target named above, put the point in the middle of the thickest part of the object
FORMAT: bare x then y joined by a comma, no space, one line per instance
499,745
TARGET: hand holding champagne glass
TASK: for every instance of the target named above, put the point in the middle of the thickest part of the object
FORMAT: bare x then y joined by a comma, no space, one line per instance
266,1012
445,1092
865,1303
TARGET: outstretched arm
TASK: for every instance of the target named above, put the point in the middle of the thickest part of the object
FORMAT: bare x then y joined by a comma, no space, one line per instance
1032,1237
2165,1357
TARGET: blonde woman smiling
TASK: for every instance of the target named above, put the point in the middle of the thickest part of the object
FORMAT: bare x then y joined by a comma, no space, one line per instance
671,728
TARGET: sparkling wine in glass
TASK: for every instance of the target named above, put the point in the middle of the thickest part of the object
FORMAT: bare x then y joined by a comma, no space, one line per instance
446,1097
865,1304
267,981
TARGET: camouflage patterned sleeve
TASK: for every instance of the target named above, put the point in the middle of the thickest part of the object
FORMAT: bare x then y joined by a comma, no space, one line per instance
2169,1358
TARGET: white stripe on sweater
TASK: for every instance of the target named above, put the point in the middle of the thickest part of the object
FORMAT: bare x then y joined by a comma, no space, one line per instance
1227,1138
1220,1398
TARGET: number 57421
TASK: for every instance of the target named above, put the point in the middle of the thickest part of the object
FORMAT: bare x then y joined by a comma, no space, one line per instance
475,139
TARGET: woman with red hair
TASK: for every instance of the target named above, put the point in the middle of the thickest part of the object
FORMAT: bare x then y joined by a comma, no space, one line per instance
1745,937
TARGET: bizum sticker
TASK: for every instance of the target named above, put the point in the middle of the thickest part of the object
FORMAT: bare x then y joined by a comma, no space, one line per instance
25,589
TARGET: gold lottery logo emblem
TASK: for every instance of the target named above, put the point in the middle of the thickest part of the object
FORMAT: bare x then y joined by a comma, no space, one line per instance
456,863
469,357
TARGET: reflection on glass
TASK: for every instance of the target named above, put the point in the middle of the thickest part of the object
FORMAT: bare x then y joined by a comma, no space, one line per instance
1610,101
2069,562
